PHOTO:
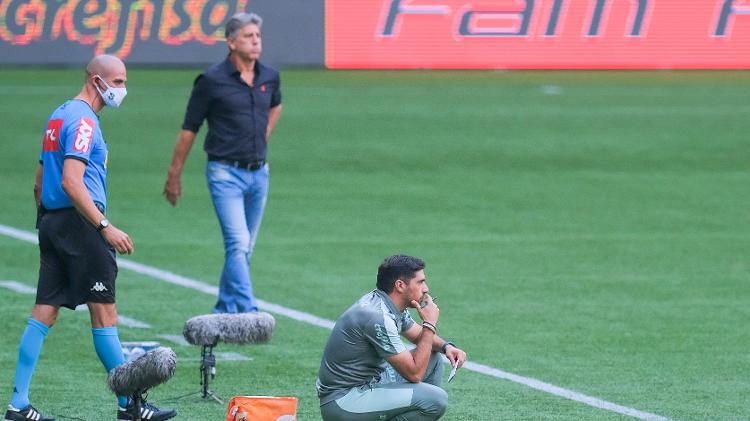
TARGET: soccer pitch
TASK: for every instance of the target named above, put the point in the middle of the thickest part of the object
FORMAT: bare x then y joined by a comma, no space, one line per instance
590,230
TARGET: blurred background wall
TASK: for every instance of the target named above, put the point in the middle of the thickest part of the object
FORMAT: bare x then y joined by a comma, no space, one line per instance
483,34
154,32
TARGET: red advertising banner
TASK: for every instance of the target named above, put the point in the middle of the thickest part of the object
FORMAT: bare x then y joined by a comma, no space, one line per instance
538,34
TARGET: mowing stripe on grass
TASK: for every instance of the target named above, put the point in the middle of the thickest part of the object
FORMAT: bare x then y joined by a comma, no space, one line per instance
328,324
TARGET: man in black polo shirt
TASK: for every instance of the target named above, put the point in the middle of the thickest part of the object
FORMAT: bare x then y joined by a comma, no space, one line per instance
241,99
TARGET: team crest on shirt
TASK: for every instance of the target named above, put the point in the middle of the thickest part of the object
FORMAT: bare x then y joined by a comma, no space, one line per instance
84,135
263,87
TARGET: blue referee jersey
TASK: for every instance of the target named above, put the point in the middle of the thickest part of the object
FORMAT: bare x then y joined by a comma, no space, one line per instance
73,132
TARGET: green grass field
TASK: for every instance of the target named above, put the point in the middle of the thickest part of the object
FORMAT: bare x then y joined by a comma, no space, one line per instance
586,229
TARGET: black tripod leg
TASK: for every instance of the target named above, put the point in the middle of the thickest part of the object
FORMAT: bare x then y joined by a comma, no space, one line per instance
208,367
137,402
205,381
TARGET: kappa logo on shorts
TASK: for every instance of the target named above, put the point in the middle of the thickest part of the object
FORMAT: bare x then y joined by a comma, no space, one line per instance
98,287
84,135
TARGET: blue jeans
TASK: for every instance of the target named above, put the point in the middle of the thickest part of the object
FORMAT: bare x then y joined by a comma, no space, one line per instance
239,198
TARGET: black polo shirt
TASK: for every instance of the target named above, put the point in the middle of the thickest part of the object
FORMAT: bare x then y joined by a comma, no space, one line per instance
237,113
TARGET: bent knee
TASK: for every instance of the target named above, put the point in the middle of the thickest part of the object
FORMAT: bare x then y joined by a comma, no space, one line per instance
45,314
440,402
434,401
239,245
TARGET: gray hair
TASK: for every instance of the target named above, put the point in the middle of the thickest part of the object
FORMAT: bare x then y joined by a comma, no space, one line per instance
239,21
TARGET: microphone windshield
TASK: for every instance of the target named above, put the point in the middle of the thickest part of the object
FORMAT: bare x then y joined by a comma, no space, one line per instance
240,328
150,369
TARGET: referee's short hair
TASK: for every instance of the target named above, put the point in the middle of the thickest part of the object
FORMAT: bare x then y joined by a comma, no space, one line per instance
239,21
397,267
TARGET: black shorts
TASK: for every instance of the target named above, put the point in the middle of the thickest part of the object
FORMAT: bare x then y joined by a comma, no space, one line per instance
77,264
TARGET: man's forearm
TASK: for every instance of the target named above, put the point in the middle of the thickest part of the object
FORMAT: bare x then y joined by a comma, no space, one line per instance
181,151
437,343
273,117
415,334
38,186
423,351
82,201
72,184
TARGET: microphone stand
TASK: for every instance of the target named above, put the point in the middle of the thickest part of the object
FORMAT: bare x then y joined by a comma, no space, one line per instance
207,372
137,397
208,368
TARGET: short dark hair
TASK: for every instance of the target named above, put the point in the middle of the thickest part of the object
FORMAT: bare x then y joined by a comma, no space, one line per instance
396,267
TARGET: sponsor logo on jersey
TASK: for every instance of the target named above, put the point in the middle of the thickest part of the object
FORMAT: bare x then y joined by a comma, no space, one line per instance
84,135
382,335
52,136
98,287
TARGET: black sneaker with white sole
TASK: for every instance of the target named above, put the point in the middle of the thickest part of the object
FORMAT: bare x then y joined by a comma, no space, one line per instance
148,412
27,414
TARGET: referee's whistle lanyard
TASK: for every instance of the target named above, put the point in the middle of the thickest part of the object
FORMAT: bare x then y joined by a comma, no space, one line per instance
112,96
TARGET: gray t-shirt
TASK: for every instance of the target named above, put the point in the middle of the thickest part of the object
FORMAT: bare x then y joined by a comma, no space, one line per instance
363,337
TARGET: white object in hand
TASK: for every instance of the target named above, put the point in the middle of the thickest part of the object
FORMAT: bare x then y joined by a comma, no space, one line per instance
453,372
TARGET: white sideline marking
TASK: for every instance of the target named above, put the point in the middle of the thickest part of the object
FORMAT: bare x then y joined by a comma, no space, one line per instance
297,315
18,287
131,322
123,320
182,281
565,393
19,234
328,324
177,339
231,356
551,90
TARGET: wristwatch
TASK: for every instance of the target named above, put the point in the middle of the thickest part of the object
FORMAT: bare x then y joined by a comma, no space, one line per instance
104,223
445,346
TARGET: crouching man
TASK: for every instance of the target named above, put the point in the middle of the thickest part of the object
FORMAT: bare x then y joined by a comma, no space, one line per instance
367,373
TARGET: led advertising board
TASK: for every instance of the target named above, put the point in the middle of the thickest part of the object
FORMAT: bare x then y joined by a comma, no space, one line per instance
538,34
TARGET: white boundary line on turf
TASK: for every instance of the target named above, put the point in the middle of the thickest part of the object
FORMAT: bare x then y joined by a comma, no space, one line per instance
175,279
22,288
18,287
176,339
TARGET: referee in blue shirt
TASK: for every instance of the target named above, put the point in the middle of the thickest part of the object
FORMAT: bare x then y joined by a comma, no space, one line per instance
240,98
77,243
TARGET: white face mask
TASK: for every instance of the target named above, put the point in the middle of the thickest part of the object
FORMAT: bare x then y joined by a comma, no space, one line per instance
112,96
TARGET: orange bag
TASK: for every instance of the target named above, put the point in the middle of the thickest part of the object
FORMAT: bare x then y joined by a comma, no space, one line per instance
262,408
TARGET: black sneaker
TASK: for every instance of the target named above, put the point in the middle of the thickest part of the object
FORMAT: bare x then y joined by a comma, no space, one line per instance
148,412
26,414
